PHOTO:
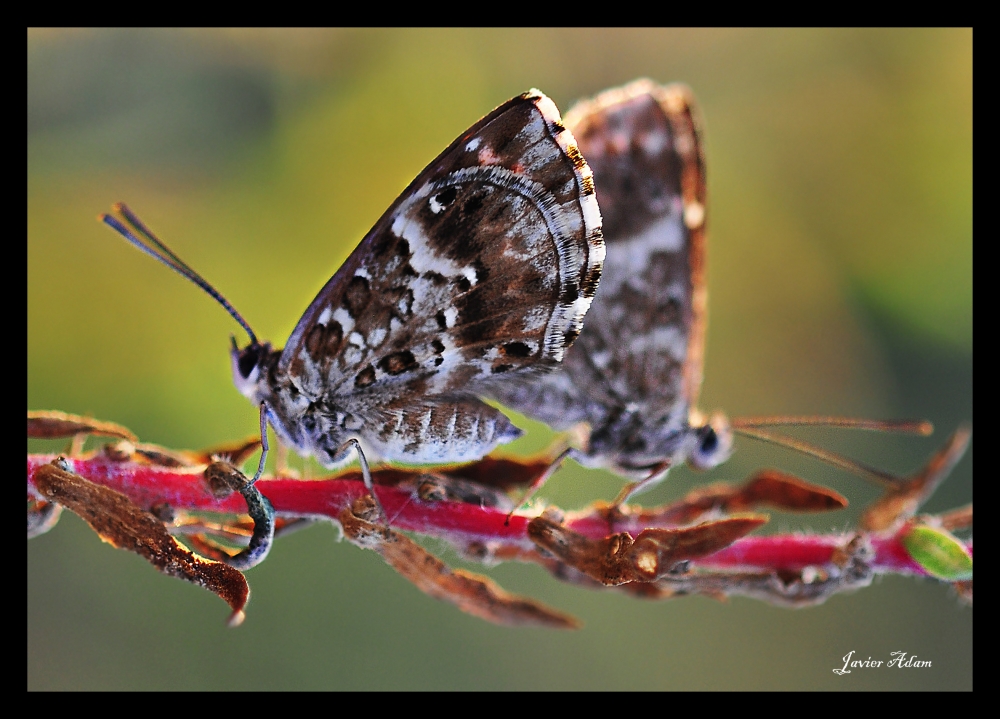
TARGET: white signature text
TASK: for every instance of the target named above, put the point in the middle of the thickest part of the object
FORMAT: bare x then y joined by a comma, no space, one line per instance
899,660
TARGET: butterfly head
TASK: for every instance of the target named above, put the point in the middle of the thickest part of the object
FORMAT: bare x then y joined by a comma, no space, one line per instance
635,445
711,441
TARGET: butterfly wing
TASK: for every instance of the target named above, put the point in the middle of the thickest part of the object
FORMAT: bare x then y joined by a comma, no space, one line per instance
483,267
636,369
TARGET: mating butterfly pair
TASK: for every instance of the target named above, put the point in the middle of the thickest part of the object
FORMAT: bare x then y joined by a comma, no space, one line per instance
476,281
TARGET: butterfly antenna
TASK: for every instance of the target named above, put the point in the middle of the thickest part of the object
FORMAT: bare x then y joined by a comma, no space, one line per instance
907,426
752,429
155,248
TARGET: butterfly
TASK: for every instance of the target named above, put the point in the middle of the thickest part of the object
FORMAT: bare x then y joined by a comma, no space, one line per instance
634,374
632,378
481,271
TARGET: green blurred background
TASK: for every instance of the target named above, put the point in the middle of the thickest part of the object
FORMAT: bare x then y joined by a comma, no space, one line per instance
840,270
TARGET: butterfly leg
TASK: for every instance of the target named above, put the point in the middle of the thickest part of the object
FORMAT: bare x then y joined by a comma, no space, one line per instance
366,474
263,443
537,484
633,488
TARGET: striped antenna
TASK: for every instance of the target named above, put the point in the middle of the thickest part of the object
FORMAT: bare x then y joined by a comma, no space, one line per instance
752,427
906,426
155,248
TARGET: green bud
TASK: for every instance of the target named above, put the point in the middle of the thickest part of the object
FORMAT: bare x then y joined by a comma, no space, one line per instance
940,553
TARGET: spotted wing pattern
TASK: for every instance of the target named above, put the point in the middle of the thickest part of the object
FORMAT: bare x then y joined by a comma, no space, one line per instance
635,371
482,269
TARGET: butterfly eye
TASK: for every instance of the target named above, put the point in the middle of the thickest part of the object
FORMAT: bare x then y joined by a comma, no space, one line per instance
443,199
248,360
715,443
709,441
703,456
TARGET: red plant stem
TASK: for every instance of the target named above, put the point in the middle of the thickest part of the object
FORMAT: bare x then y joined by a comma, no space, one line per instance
184,488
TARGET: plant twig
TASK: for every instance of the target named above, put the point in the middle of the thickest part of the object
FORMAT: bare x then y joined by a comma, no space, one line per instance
697,545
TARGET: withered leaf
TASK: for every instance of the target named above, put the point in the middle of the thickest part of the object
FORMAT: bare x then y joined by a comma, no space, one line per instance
619,559
785,491
903,501
440,487
501,472
162,457
150,454
604,560
52,424
768,487
960,518
472,593
124,525
656,551
235,453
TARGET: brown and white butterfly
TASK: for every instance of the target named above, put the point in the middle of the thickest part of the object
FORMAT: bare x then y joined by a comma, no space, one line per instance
632,378
481,271
633,375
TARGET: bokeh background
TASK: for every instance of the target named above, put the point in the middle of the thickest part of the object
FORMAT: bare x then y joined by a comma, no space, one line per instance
840,271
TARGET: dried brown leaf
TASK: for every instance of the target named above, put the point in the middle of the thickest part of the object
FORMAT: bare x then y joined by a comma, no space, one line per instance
163,457
605,560
657,551
443,484
903,501
769,487
472,593
124,525
960,518
52,424
618,559
503,473
784,491
432,487
152,454
235,453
